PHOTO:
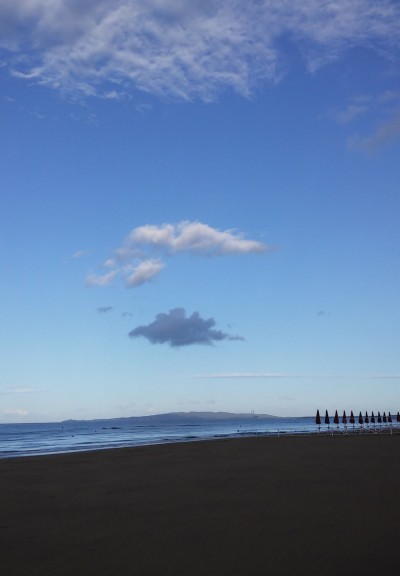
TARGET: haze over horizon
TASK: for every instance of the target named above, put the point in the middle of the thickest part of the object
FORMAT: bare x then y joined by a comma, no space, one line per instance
199,207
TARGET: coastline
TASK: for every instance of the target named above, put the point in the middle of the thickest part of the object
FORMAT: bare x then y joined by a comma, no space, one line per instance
300,503
18,440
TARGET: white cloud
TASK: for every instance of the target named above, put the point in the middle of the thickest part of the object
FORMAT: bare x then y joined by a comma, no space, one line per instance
269,375
133,262
144,272
195,237
80,254
185,49
22,390
100,280
21,412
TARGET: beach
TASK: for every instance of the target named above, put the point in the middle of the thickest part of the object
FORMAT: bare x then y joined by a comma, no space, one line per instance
265,505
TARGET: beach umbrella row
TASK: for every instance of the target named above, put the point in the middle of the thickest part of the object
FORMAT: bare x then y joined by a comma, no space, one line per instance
372,419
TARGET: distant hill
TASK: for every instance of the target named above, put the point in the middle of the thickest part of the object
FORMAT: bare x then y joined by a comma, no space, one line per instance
189,417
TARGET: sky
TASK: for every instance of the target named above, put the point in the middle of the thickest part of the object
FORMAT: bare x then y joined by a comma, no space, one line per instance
199,207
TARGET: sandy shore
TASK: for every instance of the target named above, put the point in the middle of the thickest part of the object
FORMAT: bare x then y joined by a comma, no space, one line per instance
306,505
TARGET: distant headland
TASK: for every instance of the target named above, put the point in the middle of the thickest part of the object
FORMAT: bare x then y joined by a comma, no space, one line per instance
187,416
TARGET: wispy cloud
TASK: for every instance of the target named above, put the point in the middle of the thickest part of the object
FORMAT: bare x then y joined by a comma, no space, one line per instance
263,375
80,254
372,120
100,279
386,131
104,309
184,49
177,329
353,110
133,263
144,272
289,375
21,390
20,412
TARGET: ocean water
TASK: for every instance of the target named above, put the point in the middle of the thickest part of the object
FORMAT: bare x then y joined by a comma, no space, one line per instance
73,436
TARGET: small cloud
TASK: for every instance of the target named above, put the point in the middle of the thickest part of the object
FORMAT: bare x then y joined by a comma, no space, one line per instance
100,280
80,254
126,314
104,309
177,330
385,133
351,113
113,95
144,272
22,390
109,263
142,108
321,313
21,412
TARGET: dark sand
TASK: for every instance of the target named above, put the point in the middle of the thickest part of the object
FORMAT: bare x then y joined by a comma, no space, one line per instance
291,505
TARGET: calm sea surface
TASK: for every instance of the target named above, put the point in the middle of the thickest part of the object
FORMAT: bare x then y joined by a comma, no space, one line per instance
71,436
74,436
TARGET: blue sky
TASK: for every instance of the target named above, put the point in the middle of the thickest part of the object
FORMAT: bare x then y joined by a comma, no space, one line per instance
199,207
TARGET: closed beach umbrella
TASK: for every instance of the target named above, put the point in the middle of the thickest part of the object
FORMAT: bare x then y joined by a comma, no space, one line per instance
344,417
398,417
379,418
336,418
352,420
318,418
366,419
360,419
384,417
327,421
389,417
372,418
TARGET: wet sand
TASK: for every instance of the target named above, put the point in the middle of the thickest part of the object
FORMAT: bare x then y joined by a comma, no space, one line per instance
289,505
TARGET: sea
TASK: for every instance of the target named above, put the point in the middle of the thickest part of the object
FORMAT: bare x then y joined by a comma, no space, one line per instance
83,435
80,435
